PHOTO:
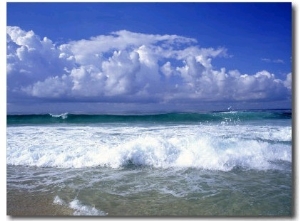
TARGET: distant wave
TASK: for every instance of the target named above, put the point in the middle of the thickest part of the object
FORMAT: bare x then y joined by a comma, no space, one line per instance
230,116
63,116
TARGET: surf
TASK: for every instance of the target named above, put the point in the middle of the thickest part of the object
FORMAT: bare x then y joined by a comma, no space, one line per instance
211,147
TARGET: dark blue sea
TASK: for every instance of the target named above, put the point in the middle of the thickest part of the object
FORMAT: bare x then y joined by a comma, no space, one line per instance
235,163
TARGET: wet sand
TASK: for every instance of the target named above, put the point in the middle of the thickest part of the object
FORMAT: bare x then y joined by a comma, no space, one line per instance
34,204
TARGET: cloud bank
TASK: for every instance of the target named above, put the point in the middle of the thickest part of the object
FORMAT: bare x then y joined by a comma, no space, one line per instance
124,66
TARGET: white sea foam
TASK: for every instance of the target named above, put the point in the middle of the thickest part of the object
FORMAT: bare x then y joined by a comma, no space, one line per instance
210,147
63,115
57,200
79,208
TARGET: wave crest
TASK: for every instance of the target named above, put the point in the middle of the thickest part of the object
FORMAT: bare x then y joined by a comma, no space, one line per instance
63,115
205,147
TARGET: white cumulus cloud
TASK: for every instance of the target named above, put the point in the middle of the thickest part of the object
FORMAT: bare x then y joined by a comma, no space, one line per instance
125,66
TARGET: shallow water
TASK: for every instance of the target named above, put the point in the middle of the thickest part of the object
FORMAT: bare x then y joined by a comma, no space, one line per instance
143,191
238,164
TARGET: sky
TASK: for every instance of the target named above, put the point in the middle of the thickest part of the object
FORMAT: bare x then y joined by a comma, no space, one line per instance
146,57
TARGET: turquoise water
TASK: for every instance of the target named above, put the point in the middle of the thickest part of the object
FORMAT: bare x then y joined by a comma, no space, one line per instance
178,164
234,116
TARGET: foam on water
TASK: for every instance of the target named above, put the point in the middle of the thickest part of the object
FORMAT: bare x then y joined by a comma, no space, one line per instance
211,147
63,116
79,208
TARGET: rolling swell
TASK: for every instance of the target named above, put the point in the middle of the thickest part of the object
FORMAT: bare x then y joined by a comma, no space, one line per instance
231,116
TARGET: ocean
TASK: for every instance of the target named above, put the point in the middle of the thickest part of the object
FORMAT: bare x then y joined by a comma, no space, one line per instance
212,164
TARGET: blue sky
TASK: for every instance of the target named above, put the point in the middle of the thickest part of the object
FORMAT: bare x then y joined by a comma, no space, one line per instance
168,55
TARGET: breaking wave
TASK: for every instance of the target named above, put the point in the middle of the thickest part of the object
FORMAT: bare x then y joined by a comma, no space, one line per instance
211,147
